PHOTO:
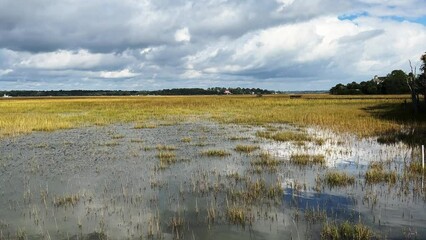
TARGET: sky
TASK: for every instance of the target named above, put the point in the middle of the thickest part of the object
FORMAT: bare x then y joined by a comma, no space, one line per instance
285,45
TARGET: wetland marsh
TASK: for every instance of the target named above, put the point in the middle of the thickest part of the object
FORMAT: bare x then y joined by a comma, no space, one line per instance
207,174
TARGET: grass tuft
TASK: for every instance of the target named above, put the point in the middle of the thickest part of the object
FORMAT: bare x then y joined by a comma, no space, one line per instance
416,168
346,231
338,179
246,148
186,140
237,215
67,200
215,153
265,159
166,159
285,136
166,156
306,159
145,125
377,174
161,147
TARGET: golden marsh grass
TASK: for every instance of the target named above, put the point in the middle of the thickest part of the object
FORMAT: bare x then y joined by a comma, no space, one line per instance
24,115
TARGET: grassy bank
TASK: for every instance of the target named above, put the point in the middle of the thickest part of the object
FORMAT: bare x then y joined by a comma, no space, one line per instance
360,115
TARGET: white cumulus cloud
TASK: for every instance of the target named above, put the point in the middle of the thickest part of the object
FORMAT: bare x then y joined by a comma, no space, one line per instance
125,73
182,35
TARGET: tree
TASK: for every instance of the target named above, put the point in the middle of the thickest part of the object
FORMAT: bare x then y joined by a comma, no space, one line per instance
422,78
395,83
369,87
338,89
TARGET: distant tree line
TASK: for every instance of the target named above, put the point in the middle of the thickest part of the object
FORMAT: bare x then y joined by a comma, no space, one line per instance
394,83
174,91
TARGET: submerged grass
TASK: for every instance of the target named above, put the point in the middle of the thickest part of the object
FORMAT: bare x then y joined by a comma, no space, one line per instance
66,200
285,136
377,174
346,231
255,191
215,153
265,161
186,140
246,148
167,156
237,215
416,168
161,147
338,179
307,159
166,159
22,115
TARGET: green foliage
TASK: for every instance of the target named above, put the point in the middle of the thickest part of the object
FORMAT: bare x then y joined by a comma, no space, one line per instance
421,81
394,83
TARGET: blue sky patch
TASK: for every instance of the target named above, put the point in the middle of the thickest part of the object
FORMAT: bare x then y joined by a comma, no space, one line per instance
421,20
352,17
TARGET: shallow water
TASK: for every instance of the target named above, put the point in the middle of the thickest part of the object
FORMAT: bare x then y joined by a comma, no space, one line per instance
122,192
